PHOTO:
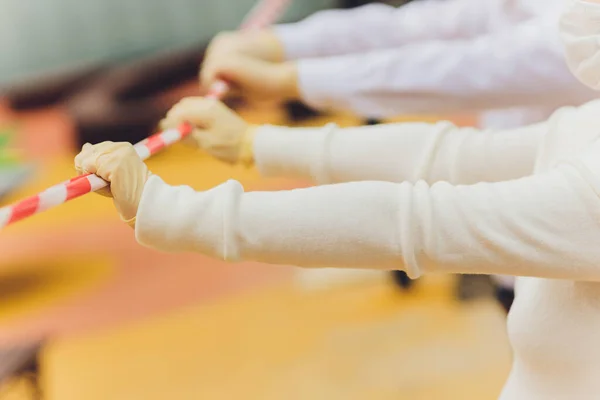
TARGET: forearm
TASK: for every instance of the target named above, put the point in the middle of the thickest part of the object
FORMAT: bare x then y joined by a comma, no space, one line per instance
523,66
538,226
231,220
397,153
335,32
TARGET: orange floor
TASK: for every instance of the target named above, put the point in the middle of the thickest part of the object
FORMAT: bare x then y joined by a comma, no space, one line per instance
124,322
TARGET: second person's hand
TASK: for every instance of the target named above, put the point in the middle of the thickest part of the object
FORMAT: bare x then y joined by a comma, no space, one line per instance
253,63
217,129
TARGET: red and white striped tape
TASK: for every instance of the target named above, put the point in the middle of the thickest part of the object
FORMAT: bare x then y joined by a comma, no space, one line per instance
263,14
84,184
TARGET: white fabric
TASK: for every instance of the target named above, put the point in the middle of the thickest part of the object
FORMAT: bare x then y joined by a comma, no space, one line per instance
434,56
538,216
335,32
503,57
580,29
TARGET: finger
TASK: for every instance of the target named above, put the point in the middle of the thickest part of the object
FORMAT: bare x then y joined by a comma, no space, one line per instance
173,118
77,163
80,171
189,141
82,159
88,159
192,140
217,68
105,192
208,73
201,138
185,102
86,147
229,67
250,73
168,123
86,162
197,110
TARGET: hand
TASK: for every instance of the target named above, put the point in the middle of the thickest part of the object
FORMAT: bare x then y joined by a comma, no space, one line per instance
217,130
251,63
262,45
120,165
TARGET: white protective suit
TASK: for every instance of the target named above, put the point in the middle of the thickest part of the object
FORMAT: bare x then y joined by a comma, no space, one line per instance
433,198
410,197
504,56
433,56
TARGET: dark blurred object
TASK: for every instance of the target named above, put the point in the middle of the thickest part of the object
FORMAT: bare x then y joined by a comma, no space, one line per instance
402,280
358,3
111,102
298,111
121,104
50,89
471,287
19,360
505,297
98,118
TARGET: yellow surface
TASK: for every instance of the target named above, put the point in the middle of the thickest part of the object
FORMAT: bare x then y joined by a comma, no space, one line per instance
21,388
360,343
38,283
365,342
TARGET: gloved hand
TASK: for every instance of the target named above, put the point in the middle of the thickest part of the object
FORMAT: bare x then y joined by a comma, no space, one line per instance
262,45
120,165
217,129
252,62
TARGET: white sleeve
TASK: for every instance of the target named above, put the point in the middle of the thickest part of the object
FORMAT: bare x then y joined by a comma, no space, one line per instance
545,226
521,66
343,31
398,152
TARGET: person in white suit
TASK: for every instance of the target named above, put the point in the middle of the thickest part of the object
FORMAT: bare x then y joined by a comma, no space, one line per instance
412,196
503,57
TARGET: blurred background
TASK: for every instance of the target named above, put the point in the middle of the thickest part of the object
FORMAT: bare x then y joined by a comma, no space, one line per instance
87,313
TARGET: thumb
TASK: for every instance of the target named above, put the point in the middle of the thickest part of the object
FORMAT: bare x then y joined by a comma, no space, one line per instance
198,111
242,72
246,72
105,192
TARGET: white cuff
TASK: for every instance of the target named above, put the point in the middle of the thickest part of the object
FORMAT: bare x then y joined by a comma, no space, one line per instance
179,219
294,39
293,152
320,85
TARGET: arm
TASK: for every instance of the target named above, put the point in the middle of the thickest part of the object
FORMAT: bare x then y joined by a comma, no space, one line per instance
334,32
389,152
520,66
545,225
398,152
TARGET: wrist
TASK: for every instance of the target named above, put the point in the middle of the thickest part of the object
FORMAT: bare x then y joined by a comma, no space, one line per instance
129,217
289,81
263,44
247,150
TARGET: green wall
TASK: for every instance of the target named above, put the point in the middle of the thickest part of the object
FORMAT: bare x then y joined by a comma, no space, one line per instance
38,36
